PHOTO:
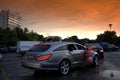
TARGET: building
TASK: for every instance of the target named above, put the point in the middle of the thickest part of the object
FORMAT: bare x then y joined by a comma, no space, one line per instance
9,19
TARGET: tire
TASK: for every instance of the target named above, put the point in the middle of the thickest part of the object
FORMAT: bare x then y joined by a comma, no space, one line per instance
64,67
95,61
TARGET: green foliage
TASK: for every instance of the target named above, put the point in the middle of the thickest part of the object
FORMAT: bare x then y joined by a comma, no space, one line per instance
117,40
81,41
10,37
72,39
52,38
107,36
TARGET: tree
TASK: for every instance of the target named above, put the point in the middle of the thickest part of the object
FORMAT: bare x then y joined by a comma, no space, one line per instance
107,36
53,38
33,36
72,39
41,38
20,33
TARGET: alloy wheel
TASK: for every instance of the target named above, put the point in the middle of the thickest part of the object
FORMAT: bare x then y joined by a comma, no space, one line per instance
64,67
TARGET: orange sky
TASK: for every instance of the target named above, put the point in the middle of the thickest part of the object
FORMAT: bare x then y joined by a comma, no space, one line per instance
84,18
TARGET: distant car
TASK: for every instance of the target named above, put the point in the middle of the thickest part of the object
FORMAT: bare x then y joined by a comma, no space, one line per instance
61,56
3,49
12,48
112,47
96,47
1,57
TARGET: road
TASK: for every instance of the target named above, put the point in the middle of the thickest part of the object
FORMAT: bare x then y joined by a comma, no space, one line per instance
109,69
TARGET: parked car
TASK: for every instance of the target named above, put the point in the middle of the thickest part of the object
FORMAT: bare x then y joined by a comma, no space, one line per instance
61,56
113,47
3,49
96,47
12,48
1,57
105,45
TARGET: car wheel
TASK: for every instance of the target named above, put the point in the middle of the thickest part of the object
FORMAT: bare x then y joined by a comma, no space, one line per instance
95,61
64,67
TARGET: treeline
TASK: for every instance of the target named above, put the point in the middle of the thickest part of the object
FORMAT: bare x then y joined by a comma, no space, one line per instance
10,37
108,36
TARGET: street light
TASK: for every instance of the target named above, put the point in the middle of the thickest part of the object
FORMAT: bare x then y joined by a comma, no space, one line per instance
110,25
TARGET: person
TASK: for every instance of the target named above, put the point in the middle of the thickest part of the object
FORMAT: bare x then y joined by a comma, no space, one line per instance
88,55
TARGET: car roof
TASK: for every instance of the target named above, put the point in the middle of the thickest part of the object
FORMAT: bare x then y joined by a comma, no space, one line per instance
60,43
55,45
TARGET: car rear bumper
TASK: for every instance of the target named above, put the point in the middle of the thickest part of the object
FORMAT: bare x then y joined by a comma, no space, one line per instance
38,66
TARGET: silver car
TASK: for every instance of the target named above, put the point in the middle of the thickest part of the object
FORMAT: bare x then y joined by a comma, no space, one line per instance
60,56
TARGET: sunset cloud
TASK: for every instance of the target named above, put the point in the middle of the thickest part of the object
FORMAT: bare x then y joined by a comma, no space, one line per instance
58,17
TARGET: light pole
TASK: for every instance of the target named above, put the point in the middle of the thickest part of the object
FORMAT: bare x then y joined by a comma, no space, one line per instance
110,25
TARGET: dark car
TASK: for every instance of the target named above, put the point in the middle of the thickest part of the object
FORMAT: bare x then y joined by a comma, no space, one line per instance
12,48
3,49
96,47
113,47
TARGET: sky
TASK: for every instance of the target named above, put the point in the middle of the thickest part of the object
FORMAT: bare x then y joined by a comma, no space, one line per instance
65,18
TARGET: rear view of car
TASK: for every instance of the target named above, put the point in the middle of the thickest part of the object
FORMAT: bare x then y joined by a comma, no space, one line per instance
96,47
59,56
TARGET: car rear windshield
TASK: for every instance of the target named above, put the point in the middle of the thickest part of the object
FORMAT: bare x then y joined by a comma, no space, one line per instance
40,48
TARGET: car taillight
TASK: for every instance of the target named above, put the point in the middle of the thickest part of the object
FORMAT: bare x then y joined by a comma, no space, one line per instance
43,57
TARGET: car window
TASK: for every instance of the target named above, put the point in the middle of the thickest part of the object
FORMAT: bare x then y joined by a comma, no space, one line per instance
40,48
71,47
61,48
80,47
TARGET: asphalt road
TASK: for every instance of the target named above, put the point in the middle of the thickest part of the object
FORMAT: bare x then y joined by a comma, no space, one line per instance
109,69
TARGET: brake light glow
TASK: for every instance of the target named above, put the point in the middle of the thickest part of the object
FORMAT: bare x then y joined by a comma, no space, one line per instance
43,57
41,45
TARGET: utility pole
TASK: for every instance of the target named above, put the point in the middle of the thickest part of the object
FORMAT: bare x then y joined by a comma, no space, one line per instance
110,25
